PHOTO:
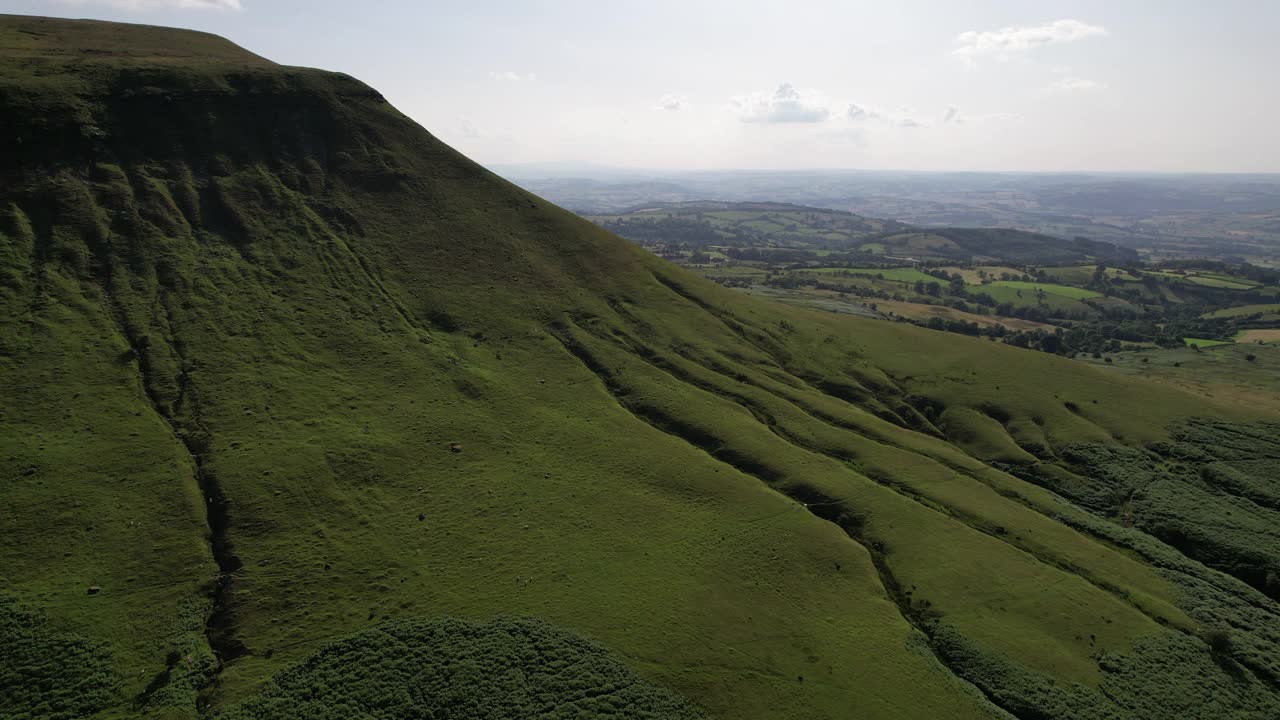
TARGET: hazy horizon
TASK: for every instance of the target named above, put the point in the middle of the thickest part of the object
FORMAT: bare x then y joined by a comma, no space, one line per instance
569,169
1063,86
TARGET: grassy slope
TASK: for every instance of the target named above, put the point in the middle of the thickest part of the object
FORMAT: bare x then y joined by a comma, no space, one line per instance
291,296
1221,372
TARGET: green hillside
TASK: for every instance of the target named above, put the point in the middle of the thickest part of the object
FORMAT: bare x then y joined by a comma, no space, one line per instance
294,392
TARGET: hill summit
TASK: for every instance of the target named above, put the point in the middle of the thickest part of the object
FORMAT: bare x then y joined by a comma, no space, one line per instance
289,383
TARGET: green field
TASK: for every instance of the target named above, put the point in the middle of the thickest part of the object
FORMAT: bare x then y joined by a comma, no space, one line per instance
1213,280
1203,343
1066,291
1221,282
1083,274
1245,310
971,276
903,275
1027,298
1231,278
308,415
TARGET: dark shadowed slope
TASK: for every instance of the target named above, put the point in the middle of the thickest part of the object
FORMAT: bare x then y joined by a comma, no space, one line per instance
999,245
279,366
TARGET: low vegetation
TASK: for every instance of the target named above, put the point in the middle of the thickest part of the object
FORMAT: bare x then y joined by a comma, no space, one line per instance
51,673
1213,492
455,669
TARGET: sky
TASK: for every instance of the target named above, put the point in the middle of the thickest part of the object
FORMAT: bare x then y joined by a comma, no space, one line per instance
1043,85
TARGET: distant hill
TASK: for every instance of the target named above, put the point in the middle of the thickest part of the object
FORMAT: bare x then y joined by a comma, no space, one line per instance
998,245
1165,216
594,196
287,381
700,223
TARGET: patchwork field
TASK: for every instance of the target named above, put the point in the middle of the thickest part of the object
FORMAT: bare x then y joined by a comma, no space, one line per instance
1026,297
1083,274
1067,291
905,275
920,311
1267,310
1207,279
974,275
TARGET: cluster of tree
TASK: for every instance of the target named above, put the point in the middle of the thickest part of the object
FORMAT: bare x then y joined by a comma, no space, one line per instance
669,231
955,287
789,281
1051,342
734,281
1093,336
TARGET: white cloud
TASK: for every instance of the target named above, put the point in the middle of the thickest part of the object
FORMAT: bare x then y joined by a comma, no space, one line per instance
510,76
791,105
672,102
140,5
785,105
1009,40
1075,84
858,113
906,118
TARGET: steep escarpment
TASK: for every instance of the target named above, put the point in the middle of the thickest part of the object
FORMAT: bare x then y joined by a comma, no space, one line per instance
284,367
